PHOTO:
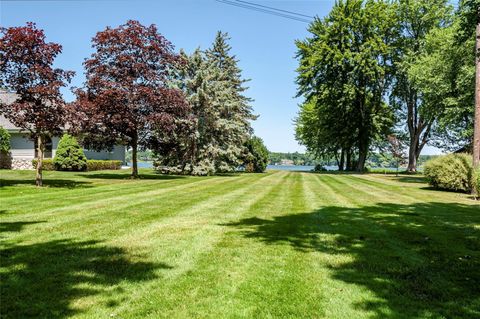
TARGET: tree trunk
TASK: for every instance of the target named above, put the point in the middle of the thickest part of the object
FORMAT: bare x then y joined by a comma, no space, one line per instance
412,155
349,160
134,157
341,165
38,178
362,158
362,149
476,135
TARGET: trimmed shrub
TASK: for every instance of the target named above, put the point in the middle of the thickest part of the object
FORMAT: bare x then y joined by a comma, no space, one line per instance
47,164
450,172
4,140
98,165
5,158
69,155
92,165
255,159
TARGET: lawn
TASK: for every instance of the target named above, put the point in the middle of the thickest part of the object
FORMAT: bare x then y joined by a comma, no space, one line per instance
274,245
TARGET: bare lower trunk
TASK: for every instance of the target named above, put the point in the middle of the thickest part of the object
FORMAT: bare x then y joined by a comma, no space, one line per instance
38,178
412,157
362,151
349,160
341,165
134,158
362,158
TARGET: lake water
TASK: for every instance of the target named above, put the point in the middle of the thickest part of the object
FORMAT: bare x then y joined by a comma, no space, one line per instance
302,168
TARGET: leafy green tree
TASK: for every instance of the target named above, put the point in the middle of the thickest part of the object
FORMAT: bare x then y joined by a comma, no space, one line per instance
344,75
415,20
444,74
69,155
256,155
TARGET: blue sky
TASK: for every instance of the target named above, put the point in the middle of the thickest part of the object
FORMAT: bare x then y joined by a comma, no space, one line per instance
264,44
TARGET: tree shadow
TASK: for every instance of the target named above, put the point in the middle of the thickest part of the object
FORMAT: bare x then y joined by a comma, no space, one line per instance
42,280
420,260
56,183
412,179
127,176
15,226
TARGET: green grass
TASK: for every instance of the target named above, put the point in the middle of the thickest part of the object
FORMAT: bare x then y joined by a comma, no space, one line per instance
274,245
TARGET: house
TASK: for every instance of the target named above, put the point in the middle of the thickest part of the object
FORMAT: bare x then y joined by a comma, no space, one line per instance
23,149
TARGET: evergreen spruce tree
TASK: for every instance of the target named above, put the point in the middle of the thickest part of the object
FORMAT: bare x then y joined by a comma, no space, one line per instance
69,155
213,84
235,112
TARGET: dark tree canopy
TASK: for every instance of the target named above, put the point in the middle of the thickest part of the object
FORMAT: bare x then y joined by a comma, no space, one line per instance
26,69
127,97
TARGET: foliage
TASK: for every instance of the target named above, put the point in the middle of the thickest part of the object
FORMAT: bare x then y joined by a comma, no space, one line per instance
255,159
416,19
476,182
396,149
97,165
47,164
127,97
450,172
92,165
213,84
69,155
26,69
319,168
444,73
4,140
344,75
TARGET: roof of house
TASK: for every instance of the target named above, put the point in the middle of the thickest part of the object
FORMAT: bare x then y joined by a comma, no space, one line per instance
6,124
7,98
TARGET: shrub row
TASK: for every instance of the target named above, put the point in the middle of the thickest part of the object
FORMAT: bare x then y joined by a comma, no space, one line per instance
451,172
92,165
97,165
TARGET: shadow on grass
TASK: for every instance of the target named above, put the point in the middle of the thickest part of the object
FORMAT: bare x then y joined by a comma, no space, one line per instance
412,179
420,260
15,226
127,175
42,280
57,183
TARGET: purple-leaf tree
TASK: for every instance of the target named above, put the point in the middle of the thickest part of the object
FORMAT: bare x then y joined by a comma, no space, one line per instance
26,70
127,95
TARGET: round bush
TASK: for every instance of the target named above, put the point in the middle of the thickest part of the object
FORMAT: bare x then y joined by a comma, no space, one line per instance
450,172
256,158
69,155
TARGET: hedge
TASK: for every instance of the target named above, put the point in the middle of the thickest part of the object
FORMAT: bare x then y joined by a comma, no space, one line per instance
47,164
97,165
92,165
450,172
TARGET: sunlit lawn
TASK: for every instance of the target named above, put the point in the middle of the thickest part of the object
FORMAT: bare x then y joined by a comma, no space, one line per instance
275,245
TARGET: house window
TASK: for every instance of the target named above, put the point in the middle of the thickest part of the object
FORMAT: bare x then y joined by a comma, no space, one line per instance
48,148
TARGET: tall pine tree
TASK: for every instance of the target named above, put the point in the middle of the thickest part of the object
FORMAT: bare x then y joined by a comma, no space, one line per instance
233,106
213,84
